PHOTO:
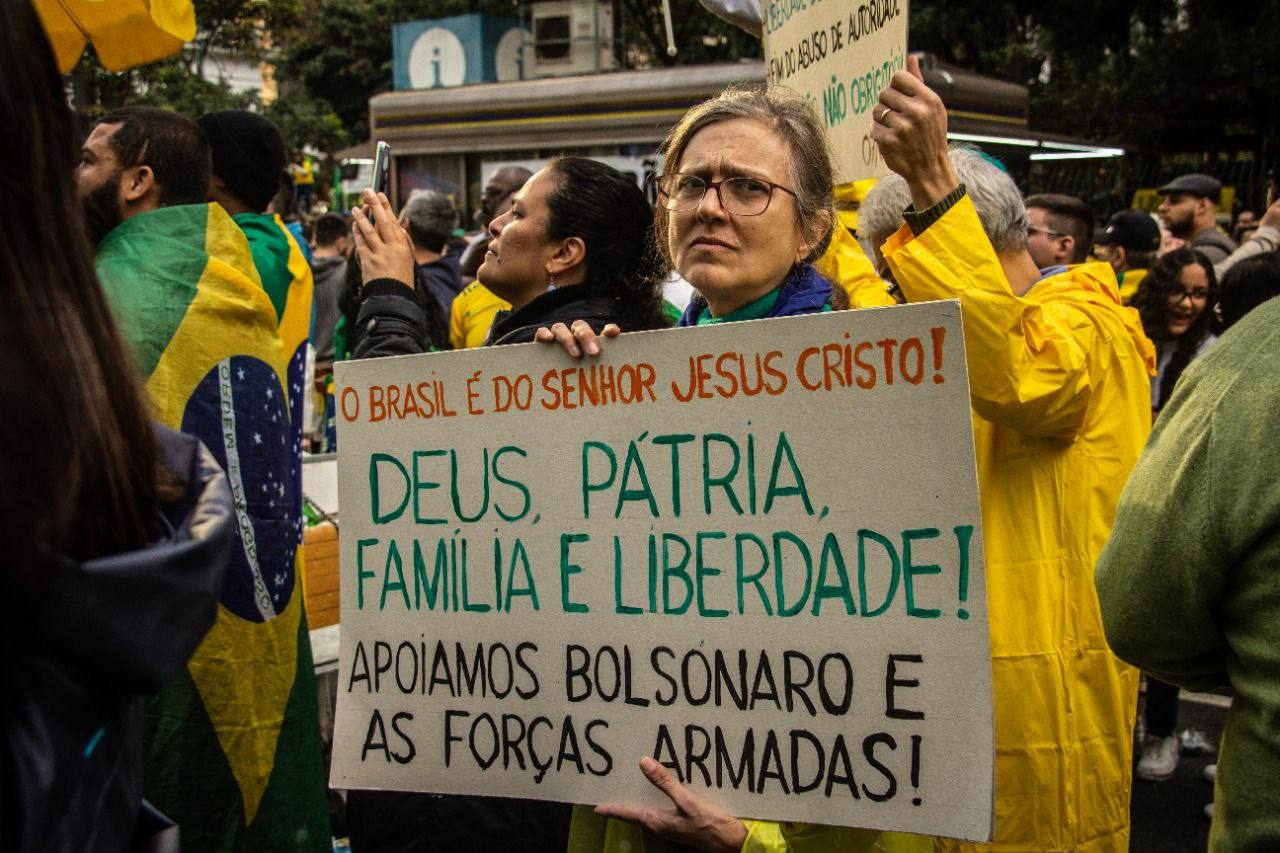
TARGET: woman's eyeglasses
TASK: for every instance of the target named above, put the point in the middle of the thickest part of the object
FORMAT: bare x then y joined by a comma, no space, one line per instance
739,196
1197,295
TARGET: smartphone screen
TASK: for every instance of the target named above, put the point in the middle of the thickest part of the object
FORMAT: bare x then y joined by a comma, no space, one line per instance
381,168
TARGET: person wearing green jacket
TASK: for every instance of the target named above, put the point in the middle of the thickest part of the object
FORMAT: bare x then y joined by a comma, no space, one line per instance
1189,583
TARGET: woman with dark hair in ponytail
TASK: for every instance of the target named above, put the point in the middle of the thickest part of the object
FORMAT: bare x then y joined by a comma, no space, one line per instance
115,533
1176,301
576,244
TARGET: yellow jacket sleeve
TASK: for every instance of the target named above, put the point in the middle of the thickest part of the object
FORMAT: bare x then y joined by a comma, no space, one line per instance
1028,361
769,837
457,330
592,833
847,266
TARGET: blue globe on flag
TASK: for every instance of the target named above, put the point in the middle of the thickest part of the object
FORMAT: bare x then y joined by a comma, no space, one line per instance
296,377
240,412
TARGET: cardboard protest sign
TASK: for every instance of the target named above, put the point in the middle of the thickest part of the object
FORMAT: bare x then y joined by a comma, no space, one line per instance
838,55
751,551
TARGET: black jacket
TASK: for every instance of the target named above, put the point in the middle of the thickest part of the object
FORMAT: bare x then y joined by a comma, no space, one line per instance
442,279
562,305
392,323
112,630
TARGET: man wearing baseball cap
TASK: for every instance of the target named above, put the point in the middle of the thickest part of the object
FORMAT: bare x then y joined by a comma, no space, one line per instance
1188,210
1129,243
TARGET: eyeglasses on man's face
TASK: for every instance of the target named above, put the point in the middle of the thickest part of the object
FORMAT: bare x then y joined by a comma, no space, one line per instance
1031,229
741,196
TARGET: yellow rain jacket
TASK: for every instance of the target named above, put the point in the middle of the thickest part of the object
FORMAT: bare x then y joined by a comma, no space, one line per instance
1059,380
844,263
591,833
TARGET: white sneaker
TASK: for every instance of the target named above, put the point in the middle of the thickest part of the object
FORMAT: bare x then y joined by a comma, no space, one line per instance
1159,758
1208,810
1211,773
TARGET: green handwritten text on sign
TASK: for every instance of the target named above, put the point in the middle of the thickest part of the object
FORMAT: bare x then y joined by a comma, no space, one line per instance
839,56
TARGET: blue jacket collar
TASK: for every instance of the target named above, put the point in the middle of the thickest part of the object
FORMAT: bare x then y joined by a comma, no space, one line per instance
803,291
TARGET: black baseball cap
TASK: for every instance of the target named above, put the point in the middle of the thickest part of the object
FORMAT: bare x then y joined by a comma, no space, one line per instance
1133,229
1194,184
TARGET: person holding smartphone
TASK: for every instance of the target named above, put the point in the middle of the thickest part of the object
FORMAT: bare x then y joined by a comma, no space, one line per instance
573,247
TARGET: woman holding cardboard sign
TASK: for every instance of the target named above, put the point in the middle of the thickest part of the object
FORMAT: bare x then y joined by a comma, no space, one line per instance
745,207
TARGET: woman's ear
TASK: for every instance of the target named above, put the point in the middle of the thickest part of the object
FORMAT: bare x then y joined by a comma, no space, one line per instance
570,254
819,226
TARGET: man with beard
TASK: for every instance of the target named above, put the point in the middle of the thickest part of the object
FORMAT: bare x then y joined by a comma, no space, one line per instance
176,171
1189,210
203,332
143,179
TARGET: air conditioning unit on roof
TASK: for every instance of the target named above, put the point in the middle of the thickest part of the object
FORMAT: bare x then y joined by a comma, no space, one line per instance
570,37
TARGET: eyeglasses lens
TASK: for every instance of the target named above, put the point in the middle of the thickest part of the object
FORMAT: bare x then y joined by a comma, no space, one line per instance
739,196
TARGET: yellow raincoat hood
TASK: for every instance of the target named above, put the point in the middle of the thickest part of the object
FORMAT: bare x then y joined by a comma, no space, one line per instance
1096,284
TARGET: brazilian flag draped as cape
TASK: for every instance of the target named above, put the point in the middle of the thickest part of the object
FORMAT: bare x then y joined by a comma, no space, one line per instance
232,747
286,277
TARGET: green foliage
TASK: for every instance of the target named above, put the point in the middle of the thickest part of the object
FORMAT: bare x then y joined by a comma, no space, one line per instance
305,120
345,52
700,37
244,28
1156,75
170,84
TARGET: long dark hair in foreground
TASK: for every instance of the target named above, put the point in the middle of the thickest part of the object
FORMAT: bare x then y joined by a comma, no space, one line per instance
77,456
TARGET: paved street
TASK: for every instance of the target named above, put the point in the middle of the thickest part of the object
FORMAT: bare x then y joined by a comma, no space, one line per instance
1169,816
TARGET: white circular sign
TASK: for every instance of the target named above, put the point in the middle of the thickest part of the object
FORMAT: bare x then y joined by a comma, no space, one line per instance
437,59
506,58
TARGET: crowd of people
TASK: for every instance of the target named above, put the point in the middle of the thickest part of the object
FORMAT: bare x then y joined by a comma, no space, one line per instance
157,669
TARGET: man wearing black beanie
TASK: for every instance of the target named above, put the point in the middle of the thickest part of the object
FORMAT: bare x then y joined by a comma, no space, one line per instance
249,157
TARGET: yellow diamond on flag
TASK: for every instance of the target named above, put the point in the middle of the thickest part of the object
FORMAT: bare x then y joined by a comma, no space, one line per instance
124,33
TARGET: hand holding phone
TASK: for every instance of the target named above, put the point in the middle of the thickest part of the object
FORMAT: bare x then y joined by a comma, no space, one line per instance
384,248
